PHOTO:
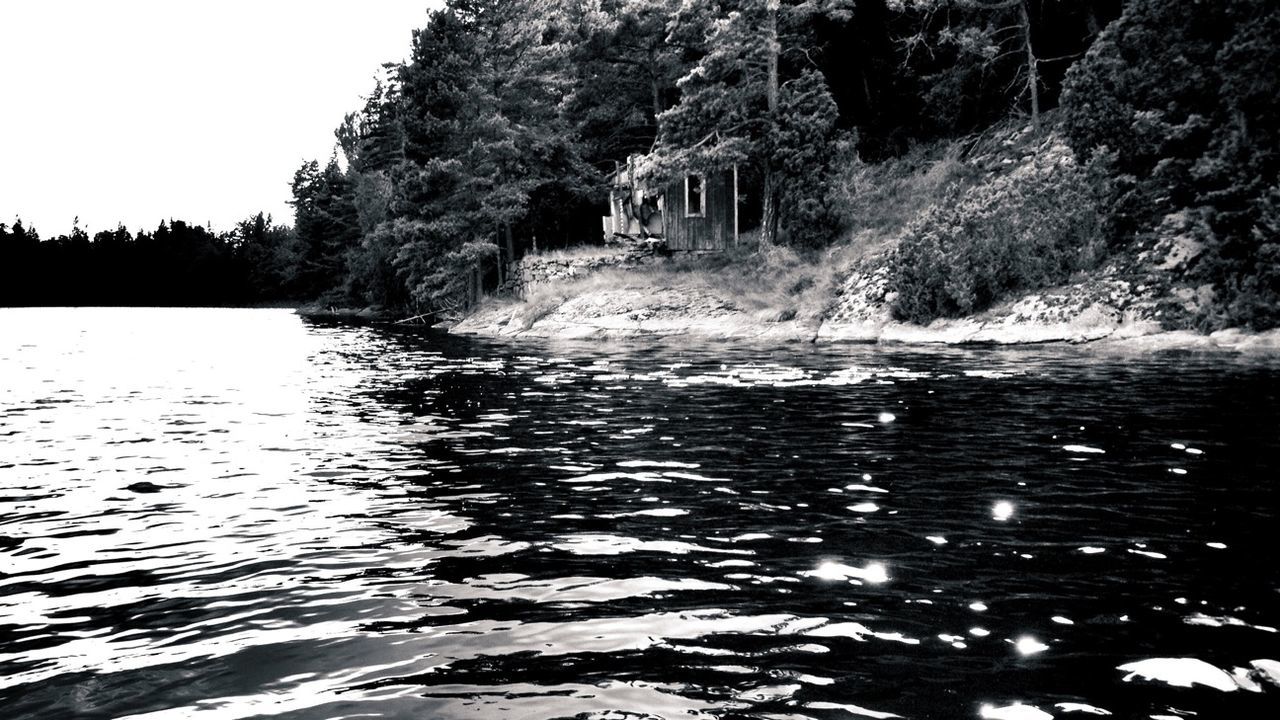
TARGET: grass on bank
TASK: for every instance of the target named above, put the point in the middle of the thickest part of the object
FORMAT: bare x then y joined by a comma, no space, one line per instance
774,280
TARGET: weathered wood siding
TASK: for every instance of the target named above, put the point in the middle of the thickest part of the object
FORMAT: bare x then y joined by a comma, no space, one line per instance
714,229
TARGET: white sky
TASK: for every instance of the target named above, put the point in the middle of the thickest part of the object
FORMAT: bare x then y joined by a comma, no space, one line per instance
135,111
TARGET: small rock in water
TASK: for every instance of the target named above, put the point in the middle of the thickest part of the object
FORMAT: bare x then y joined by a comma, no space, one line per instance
145,487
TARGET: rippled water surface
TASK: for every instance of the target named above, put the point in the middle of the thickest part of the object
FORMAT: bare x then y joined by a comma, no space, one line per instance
234,513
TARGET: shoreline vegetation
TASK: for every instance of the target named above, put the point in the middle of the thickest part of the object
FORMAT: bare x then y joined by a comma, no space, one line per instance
954,171
1145,296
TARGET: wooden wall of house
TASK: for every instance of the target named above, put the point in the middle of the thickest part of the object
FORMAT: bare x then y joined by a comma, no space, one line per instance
712,231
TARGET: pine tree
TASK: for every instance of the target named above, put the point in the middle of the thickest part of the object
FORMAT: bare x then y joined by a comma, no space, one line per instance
326,223
485,136
755,97
624,69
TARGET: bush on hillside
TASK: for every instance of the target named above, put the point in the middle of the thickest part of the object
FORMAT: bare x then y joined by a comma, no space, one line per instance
1019,232
878,200
1181,99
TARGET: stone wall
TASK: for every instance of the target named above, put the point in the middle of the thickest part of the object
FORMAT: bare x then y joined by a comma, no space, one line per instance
536,271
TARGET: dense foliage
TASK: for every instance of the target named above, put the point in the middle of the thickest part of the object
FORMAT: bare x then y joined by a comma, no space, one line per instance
498,134
1181,101
1017,232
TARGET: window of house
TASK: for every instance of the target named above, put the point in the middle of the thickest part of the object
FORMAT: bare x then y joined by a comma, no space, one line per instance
694,196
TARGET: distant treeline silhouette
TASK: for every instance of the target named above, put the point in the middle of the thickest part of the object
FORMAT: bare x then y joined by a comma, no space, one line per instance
257,262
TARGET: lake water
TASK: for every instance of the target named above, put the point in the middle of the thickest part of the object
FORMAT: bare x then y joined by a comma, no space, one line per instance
236,513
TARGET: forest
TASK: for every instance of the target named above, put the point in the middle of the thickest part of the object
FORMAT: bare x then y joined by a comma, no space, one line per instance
498,134
257,263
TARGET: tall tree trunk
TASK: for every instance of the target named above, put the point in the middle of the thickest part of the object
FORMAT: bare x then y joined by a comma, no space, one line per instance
501,261
653,85
1033,74
656,98
769,214
771,40
511,248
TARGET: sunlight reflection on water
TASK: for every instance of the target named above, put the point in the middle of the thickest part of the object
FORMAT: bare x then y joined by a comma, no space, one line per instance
239,514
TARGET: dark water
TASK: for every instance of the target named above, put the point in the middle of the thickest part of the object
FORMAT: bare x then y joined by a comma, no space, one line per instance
231,514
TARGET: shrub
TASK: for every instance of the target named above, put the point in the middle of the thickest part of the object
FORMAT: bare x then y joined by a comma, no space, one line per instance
879,200
1248,284
1019,232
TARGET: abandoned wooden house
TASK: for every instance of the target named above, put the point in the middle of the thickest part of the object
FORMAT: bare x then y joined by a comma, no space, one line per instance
697,213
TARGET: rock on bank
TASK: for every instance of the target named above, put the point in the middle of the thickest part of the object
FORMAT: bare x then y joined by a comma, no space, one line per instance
1095,310
633,312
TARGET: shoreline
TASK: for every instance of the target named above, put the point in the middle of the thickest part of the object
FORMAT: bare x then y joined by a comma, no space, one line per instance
658,314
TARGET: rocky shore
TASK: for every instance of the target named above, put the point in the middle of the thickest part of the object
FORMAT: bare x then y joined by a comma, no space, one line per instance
1105,308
